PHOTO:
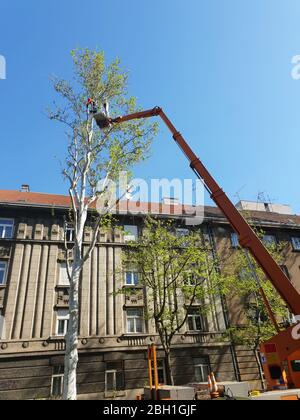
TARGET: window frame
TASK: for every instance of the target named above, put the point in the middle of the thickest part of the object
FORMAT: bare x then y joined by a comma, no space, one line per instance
201,365
133,273
5,225
60,318
272,242
234,240
295,247
161,368
134,318
193,317
2,325
61,268
57,376
70,228
182,232
5,272
117,370
129,235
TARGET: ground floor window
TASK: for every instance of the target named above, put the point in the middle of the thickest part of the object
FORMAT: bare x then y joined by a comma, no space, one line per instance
114,376
2,325
57,381
202,369
161,371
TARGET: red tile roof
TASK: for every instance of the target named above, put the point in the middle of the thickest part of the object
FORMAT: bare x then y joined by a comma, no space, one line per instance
63,201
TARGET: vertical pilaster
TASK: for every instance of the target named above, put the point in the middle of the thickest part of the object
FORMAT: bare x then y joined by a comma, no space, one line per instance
13,288
30,299
48,315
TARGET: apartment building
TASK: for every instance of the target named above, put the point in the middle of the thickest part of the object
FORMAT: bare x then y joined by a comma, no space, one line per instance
113,332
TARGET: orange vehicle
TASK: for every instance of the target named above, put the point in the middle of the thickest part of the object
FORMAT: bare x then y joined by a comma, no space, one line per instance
281,354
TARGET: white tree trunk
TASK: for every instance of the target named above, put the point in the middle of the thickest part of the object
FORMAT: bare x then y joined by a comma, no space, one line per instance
71,354
71,338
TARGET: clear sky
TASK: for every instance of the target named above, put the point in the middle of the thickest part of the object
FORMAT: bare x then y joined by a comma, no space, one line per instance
220,69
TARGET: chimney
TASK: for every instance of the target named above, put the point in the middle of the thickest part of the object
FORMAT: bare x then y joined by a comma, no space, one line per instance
25,188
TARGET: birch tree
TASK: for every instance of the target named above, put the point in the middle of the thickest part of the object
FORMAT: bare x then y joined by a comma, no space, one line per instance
93,156
178,274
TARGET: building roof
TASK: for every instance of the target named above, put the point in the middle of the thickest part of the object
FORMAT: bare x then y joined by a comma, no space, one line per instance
32,199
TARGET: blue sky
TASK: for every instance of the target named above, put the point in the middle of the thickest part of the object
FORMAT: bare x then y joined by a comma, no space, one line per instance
220,69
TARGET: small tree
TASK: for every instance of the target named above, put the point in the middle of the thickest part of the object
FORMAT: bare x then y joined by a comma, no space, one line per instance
93,155
177,272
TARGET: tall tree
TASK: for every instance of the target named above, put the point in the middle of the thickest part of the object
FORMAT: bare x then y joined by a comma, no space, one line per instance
178,274
93,156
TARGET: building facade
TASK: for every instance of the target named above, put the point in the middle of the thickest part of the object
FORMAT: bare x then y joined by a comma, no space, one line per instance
113,332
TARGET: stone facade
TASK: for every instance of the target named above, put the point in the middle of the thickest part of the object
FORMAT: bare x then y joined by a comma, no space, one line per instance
31,298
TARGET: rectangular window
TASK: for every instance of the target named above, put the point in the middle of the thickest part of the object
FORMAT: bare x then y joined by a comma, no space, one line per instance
202,369
180,232
161,372
269,240
62,322
63,275
57,381
6,228
2,326
70,233
296,243
130,233
195,320
191,279
234,240
114,376
131,278
3,272
135,321
285,270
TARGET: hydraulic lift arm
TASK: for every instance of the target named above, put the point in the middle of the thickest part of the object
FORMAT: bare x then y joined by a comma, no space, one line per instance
247,237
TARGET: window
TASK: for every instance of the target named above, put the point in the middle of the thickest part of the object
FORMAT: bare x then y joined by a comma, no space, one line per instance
57,381
161,371
135,321
202,369
70,233
131,278
234,240
131,233
190,279
6,228
195,320
296,244
62,322
180,232
2,326
114,376
3,272
269,240
285,271
63,275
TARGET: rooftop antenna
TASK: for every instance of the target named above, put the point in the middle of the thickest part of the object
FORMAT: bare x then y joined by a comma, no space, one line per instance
264,198
237,194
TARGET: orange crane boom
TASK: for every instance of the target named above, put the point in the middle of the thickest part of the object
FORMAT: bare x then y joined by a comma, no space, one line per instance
284,345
